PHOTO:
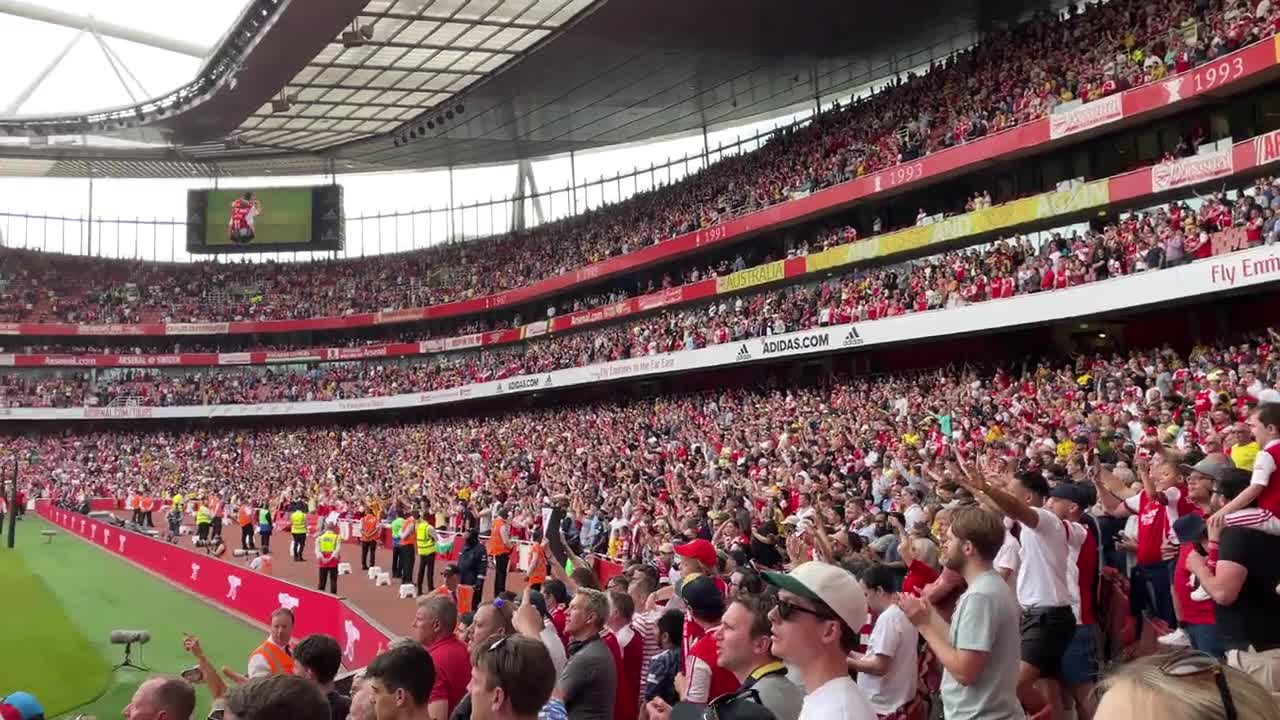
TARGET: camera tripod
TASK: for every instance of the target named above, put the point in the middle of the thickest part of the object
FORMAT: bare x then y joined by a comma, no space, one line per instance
127,662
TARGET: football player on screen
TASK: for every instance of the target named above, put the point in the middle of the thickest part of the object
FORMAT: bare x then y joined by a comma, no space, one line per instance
244,213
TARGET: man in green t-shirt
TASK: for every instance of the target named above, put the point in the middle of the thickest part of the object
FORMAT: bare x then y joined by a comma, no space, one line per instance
396,526
264,529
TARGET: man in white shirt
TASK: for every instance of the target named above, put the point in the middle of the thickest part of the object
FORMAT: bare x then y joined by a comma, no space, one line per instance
1009,559
913,514
815,624
1043,588
887,672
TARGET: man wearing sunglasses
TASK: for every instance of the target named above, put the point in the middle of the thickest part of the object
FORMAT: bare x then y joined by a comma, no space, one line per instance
815,627
512,677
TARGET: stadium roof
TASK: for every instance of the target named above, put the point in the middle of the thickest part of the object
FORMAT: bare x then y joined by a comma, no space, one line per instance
366,85
59,58
418,56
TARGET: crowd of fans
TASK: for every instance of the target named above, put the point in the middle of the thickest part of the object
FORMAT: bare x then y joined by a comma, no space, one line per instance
868,548
1166,237
976,506
1012,77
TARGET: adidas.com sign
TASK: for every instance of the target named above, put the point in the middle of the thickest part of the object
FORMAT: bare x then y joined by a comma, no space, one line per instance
795,344
852,339
743,354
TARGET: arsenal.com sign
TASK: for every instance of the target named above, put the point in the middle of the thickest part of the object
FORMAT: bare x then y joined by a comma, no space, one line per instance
1089,115
1191,170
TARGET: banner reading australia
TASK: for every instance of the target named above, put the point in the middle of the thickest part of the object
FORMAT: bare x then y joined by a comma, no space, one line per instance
767,273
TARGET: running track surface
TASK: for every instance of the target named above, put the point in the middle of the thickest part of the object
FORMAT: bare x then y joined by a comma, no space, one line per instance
383,604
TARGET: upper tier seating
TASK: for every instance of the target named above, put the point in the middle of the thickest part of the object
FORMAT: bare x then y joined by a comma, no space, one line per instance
1011,78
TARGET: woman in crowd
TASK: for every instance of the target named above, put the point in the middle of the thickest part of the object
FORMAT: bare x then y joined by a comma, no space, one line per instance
1184,685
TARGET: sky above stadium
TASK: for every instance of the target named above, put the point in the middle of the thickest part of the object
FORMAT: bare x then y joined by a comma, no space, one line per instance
89,77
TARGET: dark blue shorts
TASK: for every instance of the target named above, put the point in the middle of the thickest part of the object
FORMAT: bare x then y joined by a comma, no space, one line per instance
1080,664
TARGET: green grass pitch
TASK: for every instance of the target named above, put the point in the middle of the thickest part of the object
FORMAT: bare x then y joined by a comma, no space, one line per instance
62,600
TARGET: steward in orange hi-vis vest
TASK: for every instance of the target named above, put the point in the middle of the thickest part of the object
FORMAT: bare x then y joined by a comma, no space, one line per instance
244,518
369,531
278,661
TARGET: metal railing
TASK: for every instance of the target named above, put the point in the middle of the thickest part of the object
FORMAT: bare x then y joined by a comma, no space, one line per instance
126,401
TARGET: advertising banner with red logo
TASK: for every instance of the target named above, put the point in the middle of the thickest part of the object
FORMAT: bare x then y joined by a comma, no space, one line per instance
463,342
233,587
1266,148
1192,170
1089,115
210,328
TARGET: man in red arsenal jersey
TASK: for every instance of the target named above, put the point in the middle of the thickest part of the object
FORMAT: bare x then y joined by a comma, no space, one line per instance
244,211
1162,501
706,679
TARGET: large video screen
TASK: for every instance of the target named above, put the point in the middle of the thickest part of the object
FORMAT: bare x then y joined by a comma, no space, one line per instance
265,219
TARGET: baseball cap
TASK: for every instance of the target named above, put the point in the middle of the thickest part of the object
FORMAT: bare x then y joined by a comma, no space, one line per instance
701,550
1071,492
702,596
1189,527
1231,479
26,705
451,569
1210,466
828,584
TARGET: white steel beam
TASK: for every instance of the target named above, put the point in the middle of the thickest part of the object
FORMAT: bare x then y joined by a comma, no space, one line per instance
31,11
40,77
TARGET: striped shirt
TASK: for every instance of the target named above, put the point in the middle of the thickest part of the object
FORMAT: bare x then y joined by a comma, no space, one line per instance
1255,518
645,626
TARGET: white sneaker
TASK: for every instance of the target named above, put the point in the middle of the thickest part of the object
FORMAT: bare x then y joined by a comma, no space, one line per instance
1177,638
1199,594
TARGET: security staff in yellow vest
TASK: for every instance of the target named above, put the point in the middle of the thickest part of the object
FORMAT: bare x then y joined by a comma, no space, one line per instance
328,552
408,535
202,522
298,526
426,536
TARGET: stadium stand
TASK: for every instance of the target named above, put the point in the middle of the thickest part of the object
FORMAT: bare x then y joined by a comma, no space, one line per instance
1012,78
1012,523
1141,242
